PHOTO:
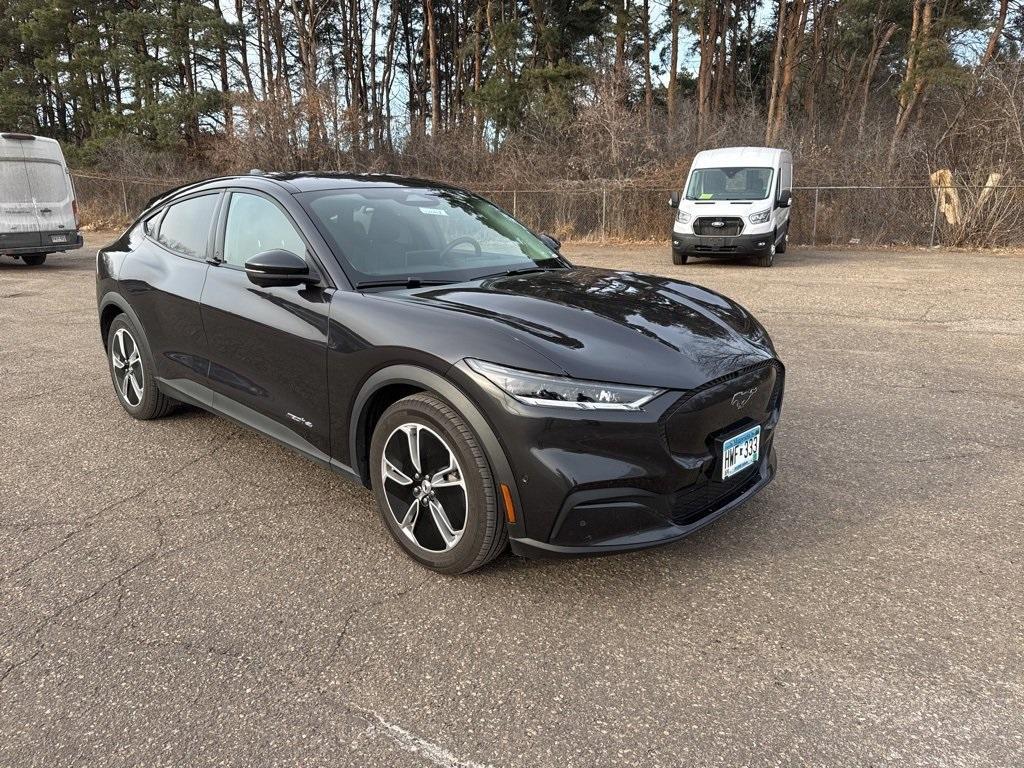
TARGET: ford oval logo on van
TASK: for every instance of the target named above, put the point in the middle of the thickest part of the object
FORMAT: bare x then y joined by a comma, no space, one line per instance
717,223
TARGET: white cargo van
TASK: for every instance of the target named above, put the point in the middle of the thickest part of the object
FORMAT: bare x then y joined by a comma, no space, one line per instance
736,202
38,213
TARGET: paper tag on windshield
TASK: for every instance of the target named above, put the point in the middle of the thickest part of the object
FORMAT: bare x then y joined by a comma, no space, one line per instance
704,196
434,211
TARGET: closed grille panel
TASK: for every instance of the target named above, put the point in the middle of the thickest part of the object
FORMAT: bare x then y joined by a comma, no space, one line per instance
727,226
700,500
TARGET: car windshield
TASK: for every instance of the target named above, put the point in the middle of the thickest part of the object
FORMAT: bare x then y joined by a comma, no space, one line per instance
729,184
425,234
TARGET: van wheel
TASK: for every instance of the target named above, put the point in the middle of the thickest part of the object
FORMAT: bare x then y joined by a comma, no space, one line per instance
767,259
679,258
781,248
33,259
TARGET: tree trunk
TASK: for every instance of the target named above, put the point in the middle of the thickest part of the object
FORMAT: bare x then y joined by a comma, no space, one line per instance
997,33
648,86
673,71
435,80
914,81
793,32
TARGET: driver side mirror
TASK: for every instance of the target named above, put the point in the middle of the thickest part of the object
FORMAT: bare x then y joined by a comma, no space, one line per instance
551,241
673,200
278,267
785,199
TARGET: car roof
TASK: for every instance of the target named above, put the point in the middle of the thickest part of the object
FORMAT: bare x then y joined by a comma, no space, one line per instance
725,156
302,181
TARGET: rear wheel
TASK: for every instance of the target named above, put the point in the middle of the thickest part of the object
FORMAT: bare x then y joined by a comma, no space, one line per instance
434,488
131,370
33,259
679,258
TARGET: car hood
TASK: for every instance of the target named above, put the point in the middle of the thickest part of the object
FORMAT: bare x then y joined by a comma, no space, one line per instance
720,208
612,326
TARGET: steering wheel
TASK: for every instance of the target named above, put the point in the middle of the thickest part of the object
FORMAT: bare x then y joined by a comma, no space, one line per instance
459,241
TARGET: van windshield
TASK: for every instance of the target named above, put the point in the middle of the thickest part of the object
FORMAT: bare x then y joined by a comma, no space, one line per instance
729,184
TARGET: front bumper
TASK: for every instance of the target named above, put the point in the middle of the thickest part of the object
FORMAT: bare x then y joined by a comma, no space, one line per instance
740,245
593,482
18,243
649,514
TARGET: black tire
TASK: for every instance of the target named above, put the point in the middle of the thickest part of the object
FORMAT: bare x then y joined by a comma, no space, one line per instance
768,258
679,258
483,535
33,259
152,403
781,247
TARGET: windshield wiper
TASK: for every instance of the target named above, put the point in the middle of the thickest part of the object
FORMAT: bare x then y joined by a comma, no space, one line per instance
518,271
408,282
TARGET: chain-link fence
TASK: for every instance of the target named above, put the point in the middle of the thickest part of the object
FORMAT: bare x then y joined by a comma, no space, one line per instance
820,216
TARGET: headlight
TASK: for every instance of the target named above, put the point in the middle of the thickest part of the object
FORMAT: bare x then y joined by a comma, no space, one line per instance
760,217
540,389
682,217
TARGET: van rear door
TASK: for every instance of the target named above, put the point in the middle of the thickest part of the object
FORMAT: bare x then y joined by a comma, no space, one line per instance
51,191
19,221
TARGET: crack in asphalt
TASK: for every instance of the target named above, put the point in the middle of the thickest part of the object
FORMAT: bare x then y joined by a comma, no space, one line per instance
89,520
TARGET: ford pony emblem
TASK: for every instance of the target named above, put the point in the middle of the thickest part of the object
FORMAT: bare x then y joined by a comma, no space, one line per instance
740,399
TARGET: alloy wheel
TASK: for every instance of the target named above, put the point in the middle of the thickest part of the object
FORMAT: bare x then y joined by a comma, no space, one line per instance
424,487
127,362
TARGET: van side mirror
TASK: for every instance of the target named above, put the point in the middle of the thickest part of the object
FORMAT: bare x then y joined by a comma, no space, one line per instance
785,199
550,241
673,200
278,267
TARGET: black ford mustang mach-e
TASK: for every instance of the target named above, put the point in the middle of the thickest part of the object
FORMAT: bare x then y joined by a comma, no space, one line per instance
420,340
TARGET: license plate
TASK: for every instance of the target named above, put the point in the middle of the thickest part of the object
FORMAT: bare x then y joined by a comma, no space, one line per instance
713,242
59,238
740,451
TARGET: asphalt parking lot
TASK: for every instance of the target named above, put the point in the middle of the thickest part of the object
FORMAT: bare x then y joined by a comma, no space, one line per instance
185,592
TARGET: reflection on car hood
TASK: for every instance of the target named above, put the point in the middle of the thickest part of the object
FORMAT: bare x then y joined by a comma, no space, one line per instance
615,326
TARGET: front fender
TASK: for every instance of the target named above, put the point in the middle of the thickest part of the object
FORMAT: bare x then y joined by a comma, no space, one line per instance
429,380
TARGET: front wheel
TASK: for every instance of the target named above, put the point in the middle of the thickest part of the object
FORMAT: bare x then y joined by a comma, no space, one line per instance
782,245
434,488
679,258
33,259
767,259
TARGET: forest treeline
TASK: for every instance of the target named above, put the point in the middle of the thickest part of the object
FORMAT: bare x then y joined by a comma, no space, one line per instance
520,91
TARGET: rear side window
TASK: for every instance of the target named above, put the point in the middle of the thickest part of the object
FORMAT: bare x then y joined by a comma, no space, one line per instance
14,186
186,225
49,182
255,225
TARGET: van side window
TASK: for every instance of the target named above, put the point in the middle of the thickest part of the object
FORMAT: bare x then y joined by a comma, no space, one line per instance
255,225
186,226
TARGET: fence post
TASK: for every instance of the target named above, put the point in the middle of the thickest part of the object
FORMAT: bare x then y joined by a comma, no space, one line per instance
604,213
814,220
935,216
514,203
124,197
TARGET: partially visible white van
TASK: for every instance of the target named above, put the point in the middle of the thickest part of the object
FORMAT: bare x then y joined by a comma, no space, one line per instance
38,212
736,202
